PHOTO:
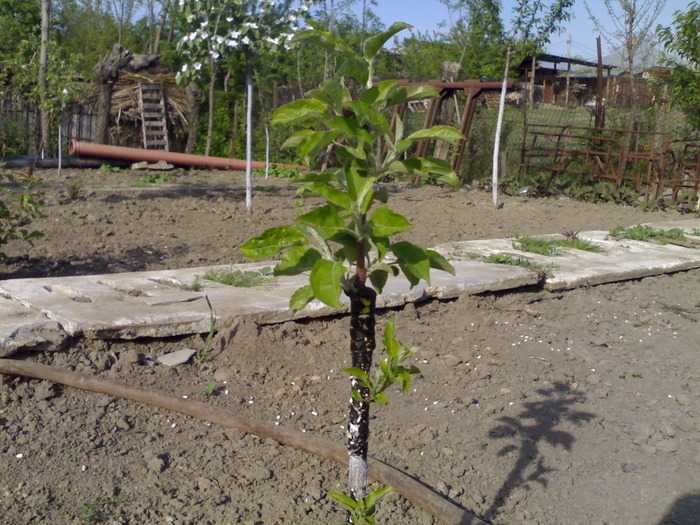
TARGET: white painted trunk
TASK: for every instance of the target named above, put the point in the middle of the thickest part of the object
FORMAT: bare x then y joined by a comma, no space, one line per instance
249,141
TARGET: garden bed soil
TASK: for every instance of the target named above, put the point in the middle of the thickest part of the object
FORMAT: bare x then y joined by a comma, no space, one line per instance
577,407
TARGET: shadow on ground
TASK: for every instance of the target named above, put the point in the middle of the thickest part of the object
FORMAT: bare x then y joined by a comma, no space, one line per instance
537,423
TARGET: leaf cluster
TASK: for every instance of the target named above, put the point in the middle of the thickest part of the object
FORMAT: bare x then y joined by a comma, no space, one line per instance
352,231
361,510
390,370
18,209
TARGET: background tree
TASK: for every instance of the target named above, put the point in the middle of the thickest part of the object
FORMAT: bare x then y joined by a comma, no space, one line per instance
345,244
532,27
222,28
628,26
681,41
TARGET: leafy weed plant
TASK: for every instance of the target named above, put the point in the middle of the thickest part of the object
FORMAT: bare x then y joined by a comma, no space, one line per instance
646,233
530,244
101,509
237,278
499,258
278,171
155,178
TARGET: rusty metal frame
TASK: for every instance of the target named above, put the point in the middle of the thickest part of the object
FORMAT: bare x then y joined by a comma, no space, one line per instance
650,160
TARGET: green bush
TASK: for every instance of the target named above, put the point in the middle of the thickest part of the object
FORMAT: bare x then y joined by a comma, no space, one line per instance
20,204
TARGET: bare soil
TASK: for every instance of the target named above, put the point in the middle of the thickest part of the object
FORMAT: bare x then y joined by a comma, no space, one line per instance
532,407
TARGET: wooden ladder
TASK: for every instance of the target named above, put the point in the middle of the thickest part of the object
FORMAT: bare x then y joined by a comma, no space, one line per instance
155,125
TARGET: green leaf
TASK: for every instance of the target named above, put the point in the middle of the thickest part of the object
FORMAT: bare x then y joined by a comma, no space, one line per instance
411,94
313,143
378,278
380,397
373,44
386,222
446,133
438,262
374,496
325,281
301,298
298,259
412,258
367,115
345,501
390,343
332,93
324,219
272,241
294,140
358,373
333,195
299,111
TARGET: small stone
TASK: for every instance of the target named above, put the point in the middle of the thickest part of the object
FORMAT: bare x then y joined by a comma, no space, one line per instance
130,357
451,360
176,358
155,464
223,374
443,488
666,445
629,467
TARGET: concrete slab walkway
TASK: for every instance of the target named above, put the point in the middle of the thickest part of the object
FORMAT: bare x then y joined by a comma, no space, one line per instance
41,313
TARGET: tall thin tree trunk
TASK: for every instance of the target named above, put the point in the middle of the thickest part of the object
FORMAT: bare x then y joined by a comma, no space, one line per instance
194,100
161,26
106,73
43,64
249,136
362,344
499,125
212,93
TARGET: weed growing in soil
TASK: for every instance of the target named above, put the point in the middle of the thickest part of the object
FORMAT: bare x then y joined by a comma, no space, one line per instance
202,354
20,204
194,286
110,169
99,509
646,233
155,178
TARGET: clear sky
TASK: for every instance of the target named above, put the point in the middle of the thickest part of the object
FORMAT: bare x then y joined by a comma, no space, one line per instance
426,15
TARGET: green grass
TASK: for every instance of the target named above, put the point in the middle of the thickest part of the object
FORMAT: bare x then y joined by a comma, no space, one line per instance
551,247
238,278
101,510
648,234
498,258
155,178
536,246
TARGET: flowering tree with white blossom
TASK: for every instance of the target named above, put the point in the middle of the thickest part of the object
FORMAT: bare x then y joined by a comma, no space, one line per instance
219,29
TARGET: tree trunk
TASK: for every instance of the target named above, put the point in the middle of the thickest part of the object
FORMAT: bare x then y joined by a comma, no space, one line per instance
194,100
43,63
161,25
362,343
106,73
212,93
249,136
499,125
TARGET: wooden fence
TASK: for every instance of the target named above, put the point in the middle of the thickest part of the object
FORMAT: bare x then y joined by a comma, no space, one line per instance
20,127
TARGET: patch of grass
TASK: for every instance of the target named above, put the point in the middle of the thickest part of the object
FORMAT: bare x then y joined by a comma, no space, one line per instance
685,313
238,278
498,258
637,375
155,178
101,510
194,286
111,169
578,244
648,234
530,244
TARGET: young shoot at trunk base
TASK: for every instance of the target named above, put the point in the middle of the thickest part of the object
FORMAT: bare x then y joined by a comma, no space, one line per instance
345,244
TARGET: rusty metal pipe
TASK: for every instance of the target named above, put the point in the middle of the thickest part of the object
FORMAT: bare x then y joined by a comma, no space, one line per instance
87,149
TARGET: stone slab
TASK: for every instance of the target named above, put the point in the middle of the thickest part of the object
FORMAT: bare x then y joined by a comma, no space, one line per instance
156,304
23,328
622,259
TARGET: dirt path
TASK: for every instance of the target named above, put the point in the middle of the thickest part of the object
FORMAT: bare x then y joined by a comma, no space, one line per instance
532,407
